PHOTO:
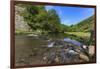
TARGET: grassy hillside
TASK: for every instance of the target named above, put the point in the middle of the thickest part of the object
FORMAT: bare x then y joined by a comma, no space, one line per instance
85,25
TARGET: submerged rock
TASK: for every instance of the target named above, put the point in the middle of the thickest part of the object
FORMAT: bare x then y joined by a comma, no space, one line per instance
72,52
83,57
91,50
51,44
62,51
57,59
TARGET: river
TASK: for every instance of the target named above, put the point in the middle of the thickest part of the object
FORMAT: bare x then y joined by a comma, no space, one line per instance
30,50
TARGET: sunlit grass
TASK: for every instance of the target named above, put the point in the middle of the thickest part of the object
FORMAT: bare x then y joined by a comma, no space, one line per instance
80,34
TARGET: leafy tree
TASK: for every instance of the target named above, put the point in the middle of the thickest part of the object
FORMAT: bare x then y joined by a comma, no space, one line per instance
54,21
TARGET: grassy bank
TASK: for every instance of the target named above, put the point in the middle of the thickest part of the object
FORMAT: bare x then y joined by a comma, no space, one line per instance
80,34
83,37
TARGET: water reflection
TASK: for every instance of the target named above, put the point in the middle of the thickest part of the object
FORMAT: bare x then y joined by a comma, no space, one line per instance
72,41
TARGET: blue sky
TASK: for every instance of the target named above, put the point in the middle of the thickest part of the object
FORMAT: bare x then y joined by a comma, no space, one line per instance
71,15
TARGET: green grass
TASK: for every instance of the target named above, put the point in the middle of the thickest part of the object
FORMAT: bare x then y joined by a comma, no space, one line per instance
80,34
83,37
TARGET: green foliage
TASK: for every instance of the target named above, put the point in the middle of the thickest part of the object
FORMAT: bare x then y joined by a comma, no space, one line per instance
84,26
65,28
39,19
53,21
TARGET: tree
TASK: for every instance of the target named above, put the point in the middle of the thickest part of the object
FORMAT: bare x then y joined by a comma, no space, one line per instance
39,19
54,21
35,16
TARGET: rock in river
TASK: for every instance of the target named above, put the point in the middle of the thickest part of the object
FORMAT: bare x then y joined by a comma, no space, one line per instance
83,57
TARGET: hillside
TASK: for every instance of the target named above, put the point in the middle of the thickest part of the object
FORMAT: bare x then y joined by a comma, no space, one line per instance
85,25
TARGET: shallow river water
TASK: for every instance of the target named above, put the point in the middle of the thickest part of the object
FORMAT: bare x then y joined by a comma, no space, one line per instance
30,50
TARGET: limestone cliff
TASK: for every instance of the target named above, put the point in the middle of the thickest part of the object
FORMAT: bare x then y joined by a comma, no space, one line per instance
20,24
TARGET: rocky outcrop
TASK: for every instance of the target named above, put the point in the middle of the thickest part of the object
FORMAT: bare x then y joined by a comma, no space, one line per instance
20,24
83,57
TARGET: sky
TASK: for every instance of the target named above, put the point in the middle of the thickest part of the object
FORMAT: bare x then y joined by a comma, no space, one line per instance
71,15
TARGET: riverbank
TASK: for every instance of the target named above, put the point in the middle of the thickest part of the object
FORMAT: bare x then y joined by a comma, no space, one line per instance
79,36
